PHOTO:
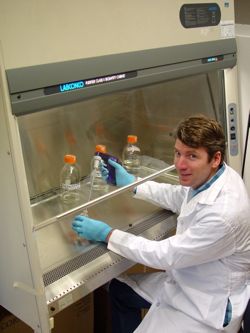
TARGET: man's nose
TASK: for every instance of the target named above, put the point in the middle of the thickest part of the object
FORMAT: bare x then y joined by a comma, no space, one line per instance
180,163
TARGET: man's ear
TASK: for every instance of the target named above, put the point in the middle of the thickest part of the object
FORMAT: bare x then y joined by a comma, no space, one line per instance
216,159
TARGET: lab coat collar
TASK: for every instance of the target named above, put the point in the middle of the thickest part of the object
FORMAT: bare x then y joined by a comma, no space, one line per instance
209,195
208,183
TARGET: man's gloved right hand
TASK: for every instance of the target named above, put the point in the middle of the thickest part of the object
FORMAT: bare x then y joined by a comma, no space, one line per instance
123,178
91,229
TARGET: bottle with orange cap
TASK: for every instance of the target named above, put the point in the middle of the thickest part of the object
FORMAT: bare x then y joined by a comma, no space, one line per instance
96,180
70,177
131,156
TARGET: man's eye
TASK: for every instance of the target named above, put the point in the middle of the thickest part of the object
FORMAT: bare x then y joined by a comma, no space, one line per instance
192,156
177,154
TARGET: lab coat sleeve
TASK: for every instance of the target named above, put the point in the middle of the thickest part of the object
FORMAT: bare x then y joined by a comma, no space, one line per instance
210,239
164,195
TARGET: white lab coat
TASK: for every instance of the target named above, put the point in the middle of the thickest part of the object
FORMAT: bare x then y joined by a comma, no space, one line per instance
205,263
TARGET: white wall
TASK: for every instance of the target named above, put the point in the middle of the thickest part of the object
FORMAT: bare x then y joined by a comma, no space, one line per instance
243,45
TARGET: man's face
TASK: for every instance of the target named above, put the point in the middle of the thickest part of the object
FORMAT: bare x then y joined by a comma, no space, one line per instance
192,164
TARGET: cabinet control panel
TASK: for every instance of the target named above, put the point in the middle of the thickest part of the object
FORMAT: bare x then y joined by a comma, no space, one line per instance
232,129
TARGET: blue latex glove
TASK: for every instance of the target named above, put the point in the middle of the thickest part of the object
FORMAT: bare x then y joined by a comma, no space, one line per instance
90,229
123,178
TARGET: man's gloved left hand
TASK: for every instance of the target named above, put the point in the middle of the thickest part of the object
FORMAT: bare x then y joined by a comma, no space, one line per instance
91,229
122,177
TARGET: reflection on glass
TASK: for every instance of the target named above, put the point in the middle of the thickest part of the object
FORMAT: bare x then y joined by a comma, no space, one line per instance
151,113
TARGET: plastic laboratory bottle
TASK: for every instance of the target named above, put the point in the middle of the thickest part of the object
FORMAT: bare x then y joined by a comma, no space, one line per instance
96,180
131,155
70,180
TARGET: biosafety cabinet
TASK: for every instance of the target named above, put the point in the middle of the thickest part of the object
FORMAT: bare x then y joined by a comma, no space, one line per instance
86,73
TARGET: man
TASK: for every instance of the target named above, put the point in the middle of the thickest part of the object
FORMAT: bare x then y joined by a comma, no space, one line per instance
207,263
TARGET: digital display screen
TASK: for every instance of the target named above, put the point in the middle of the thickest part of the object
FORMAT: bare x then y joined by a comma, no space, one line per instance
212,59
200,15
82,84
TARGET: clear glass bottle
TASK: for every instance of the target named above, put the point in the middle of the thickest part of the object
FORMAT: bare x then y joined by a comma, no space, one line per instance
131,156
70,180
97,183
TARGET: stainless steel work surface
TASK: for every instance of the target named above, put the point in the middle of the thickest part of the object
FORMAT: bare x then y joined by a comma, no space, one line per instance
57,242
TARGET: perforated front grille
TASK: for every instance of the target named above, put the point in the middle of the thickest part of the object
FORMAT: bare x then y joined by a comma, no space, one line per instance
85,258
148,223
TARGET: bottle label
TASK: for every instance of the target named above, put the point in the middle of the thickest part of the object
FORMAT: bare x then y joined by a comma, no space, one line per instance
132,149
71,187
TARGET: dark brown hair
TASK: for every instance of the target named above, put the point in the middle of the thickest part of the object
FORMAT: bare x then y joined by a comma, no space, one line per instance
200,131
